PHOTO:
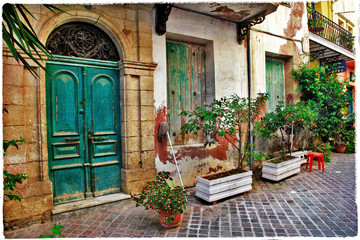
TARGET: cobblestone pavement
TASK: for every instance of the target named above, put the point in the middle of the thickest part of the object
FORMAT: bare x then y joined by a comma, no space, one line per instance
309,204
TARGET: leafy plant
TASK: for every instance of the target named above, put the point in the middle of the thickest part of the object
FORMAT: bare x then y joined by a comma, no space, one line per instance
14,142
10,181
162,198
327,91
346,136
318,146
20,37
227,118
55,231
286,121
350,146
347,40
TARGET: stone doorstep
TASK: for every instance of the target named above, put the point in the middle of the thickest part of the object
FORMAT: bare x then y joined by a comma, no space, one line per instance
88,203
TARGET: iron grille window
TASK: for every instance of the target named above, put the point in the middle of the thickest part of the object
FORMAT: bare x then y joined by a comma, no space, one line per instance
78,39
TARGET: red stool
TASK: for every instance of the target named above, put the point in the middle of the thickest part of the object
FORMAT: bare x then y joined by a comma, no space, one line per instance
311,156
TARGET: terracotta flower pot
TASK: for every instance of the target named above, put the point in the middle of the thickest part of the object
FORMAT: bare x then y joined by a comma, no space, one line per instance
340,148
173,224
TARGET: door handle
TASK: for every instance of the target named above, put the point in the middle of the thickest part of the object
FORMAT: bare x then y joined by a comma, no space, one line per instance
96,138
72,139
99,138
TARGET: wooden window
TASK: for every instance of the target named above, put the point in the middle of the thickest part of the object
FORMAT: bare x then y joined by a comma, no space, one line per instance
185,86
275,83
341,23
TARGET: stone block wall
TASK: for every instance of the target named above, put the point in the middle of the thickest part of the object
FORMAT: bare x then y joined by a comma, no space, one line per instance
24,96
22,99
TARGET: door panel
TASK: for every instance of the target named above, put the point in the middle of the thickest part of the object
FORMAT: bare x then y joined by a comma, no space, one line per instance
65,137
64,110
103,104
103,137
275,83
84,145
185,86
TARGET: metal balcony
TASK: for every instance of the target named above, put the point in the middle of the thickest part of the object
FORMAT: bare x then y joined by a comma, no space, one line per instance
327,29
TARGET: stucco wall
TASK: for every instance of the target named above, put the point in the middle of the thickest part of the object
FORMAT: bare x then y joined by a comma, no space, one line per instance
226,71
283,35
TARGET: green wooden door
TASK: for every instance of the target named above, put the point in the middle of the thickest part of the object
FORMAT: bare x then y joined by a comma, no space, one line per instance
275,83
185,85
83,130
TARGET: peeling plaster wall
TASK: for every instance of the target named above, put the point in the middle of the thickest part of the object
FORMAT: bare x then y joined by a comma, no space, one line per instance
226,68
283,35
284,24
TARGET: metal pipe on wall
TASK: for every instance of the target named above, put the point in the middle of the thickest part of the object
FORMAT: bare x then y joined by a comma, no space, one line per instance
40,135
249,65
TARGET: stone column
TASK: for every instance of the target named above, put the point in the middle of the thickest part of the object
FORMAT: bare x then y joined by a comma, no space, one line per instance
137,123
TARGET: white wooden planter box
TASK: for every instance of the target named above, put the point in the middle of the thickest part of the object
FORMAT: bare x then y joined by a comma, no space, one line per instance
216,189
276,172
301,155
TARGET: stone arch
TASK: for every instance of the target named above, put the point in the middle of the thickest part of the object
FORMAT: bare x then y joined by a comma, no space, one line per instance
47,23
51,21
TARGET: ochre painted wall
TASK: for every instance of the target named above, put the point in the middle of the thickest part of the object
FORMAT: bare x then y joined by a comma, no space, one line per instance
24,96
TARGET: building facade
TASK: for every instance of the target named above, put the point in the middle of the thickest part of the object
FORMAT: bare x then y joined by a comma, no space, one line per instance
332,27
91,123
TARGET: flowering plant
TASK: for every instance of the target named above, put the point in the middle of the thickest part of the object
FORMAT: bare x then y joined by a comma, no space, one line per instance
159,196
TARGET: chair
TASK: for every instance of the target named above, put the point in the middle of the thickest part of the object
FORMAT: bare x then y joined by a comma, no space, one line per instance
311,156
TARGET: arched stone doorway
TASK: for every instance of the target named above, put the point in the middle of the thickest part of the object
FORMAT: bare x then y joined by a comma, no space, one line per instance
83,113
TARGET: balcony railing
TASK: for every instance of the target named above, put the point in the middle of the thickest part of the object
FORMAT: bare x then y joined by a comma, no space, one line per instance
325,28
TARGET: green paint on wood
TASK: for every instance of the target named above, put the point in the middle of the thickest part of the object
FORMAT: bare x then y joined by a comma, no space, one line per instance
185,85
275,83
84,131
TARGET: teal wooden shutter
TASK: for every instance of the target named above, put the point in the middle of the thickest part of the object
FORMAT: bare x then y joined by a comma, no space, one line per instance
185,85
275,83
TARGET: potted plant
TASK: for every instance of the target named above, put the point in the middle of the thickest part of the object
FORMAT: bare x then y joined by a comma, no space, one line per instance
315,25
345,133
286,121
315,145
227,119
168,201
314,22
340,143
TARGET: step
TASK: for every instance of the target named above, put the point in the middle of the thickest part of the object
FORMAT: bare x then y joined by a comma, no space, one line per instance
77,208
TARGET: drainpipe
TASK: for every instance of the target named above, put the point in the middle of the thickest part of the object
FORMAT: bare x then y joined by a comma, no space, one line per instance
249,65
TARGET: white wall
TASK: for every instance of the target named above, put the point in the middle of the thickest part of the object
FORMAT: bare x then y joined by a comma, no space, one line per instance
226,67
283,34
229,58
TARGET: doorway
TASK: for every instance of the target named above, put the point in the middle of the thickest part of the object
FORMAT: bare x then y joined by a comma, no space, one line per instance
83,113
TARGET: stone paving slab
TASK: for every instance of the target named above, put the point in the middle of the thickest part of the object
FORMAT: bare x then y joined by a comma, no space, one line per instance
312,204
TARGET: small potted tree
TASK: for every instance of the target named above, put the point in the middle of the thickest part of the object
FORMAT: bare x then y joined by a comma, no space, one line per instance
286,122
228,119
344,134
168,201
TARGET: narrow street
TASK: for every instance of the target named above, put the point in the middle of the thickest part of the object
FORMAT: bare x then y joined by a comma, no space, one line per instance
309,204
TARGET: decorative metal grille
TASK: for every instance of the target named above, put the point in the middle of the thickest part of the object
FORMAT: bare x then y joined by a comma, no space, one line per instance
325,28
79,39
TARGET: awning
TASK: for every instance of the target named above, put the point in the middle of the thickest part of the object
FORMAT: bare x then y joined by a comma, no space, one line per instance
326,51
